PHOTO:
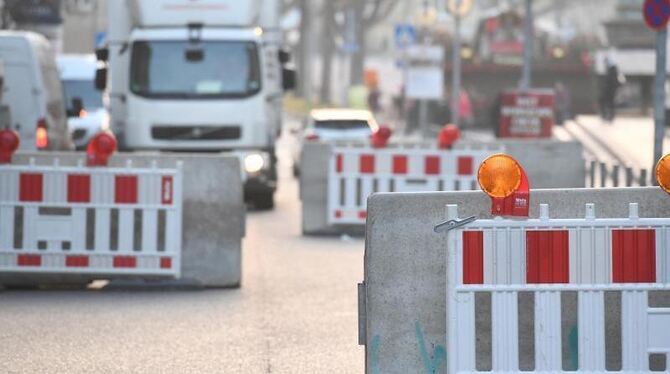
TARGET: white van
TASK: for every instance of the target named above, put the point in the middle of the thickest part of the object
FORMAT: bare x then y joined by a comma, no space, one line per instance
85,104
33,91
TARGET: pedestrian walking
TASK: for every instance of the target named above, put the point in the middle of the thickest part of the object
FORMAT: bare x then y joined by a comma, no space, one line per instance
562,103
609,88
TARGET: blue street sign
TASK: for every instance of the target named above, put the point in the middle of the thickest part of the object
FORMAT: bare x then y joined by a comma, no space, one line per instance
405,36
100,39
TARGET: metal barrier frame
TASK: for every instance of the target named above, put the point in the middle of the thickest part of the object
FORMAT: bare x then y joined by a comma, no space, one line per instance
82,196
641,335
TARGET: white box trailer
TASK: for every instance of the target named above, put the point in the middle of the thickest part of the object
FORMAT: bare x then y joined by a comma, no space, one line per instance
204,75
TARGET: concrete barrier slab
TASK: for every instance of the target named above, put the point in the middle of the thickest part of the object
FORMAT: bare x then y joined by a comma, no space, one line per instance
549,164
404,296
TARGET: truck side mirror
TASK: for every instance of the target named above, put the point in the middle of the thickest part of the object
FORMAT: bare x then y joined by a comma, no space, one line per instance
76,107
284,56
102,54
289,79
101,79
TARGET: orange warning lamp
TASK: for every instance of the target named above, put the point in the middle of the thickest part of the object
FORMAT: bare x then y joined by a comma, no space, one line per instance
448,136
502,178
380,138
101,148
9,143
663,173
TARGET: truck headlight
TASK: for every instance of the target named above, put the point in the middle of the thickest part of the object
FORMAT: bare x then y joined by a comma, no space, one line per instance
254,163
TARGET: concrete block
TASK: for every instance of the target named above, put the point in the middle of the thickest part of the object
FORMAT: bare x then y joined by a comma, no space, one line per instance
405,261
549,164
213,216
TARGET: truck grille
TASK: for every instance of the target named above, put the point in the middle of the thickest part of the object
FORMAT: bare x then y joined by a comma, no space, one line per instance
196,132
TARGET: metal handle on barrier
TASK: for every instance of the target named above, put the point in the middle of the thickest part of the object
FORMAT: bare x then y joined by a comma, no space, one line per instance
452,224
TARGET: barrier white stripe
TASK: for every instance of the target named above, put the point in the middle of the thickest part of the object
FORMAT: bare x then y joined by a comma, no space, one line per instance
591,337
548,331
634,330
504,257
505,331
590,256
663,255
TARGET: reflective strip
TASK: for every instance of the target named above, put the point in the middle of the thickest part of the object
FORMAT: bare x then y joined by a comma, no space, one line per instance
432,165
367,164
29,260
633,256
125,189
473,257
30,187
78,188
547,257
465,165
399,164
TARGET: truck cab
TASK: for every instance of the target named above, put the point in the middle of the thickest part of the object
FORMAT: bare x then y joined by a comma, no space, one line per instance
200,76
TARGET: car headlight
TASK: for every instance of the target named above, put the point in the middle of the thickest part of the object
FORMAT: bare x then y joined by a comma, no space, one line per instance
254,163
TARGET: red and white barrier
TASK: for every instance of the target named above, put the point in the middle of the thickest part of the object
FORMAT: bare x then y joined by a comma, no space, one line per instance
545,257
357,172
102,221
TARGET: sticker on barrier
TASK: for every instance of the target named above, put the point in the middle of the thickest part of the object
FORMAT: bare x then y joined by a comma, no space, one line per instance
98,221
357,172
546,258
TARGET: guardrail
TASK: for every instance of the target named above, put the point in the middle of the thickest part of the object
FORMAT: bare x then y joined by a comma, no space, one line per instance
603,174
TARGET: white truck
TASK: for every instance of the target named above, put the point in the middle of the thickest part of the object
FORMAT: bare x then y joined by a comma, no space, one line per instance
199,76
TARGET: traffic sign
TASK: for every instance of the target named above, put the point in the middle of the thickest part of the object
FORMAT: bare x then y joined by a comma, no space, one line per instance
656,13
405,36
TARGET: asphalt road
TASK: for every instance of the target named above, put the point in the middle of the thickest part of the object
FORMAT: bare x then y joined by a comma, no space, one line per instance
295,313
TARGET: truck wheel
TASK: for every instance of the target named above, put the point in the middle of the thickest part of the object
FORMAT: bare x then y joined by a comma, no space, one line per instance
264,201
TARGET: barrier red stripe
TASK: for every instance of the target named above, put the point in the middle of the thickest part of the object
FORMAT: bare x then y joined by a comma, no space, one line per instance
634,256
30,187
432,165
367,164
77,261
363,214
465,165
399,164
125,262
78,188
125,189
339,163
473,257
166,263
547,257
29,260
338,214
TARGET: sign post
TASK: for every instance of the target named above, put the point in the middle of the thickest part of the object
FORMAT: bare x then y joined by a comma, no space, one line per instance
459,8
656,15
528,36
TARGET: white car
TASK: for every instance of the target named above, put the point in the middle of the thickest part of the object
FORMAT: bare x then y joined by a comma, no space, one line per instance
86,111
333,125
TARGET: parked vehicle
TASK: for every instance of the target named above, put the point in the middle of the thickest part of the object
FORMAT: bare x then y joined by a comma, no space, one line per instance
33,92
188,76
85,106
331,125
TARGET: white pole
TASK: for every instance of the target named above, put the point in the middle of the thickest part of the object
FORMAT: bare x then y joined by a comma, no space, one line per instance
456,72
528,48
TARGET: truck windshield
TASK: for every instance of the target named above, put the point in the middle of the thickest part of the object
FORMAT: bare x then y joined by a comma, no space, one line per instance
161,69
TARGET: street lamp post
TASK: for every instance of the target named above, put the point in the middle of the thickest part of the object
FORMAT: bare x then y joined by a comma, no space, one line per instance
528,48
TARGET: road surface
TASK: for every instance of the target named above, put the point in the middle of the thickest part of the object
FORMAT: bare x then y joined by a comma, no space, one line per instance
295,313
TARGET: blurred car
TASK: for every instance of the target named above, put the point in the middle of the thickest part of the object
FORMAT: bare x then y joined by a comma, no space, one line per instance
32,92
333,125
86,111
